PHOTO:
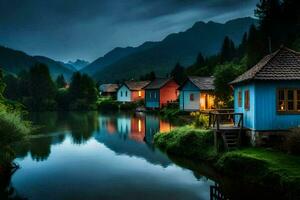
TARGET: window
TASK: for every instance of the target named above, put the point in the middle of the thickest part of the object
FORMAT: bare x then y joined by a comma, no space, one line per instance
247,100
126,94
140,93
288,100
240,98
121,93
192,97
154,95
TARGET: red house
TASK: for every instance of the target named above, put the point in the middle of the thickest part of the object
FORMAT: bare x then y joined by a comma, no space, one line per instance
160,92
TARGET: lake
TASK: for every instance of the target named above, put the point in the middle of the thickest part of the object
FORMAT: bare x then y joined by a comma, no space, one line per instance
91,155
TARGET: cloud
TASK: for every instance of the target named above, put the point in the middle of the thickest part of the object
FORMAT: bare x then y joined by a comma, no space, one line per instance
70,29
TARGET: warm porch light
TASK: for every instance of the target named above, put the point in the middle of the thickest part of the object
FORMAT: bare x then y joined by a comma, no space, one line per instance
140,93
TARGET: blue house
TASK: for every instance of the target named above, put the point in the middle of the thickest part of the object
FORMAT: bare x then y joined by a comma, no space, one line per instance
197,93
269,93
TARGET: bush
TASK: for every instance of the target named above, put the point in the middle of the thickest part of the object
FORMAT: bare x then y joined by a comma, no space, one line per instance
292,143
82,104
201,120
12,127
186,141
107,104
128,106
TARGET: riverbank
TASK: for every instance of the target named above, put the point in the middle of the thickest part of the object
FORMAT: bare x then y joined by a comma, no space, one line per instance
264,168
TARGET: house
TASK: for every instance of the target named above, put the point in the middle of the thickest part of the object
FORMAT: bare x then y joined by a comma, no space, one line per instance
109,90
131,91
268,94
197,93
160,92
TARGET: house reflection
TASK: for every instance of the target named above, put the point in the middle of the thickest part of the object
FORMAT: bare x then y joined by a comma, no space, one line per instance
137,132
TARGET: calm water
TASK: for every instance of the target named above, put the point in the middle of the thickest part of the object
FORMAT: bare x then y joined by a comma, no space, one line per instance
101,156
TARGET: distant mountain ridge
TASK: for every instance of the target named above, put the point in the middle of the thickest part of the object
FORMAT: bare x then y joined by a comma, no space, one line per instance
78,64
161,57
14,61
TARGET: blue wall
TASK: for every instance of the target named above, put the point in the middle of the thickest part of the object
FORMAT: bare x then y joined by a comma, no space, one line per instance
263,111
184,98
249,115
152,98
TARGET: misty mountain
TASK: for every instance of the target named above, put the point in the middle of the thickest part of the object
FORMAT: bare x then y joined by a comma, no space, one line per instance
78,64
14,61
161,57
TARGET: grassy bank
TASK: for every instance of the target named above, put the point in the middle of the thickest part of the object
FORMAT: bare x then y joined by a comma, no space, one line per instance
12,129
265,168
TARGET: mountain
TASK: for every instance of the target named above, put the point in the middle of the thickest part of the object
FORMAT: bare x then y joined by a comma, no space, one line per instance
55,67
113,56
78,64
161,57
14,61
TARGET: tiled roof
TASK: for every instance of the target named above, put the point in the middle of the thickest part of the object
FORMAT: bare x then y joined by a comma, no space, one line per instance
108,87
284,64
136,85
203,83
158,83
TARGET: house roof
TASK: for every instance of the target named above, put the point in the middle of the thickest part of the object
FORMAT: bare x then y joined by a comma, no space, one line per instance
158,83
203,83
136,85
284,64
108,87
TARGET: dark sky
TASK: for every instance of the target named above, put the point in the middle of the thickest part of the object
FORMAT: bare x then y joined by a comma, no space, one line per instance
86,29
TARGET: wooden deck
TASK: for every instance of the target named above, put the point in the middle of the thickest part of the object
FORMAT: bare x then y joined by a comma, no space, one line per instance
228,127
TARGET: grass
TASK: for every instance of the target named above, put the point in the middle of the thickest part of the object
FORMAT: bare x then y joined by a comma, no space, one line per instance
187,141
265,168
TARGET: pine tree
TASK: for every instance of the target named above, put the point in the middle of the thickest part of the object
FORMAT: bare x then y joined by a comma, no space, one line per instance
60,81
178,73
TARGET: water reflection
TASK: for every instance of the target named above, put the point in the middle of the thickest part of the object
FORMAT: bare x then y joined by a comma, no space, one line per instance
101,156
122,133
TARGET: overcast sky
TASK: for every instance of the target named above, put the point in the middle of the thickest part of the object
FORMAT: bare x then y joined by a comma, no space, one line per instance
86,29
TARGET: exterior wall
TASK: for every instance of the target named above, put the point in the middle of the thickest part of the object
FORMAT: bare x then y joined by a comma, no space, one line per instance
135,95
267,117
168,93
121,94
184,97
249,115
152,98
263,115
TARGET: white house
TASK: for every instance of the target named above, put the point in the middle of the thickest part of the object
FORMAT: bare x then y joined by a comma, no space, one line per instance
197,93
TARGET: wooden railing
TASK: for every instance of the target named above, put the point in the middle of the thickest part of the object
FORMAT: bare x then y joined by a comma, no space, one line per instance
224,118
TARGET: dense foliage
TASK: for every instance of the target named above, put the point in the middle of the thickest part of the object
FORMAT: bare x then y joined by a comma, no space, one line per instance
186,141
37,91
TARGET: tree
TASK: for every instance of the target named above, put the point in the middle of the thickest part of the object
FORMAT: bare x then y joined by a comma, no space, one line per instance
200,60
88,89
60,81
75,88
224,74
178,73
42,88
255,48
12,85
227,50
2,85
148,77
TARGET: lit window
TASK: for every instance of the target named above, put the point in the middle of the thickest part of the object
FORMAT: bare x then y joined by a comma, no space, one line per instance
192,97
288,100
240,99
247,100
140,93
